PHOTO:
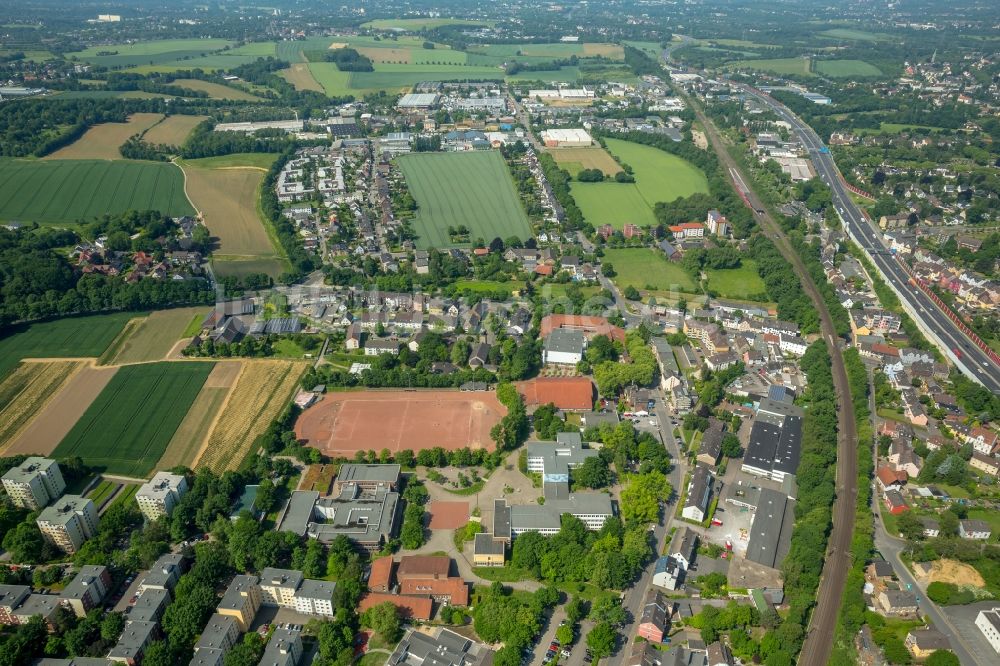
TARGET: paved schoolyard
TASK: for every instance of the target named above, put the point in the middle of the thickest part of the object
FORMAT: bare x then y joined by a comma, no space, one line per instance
448,515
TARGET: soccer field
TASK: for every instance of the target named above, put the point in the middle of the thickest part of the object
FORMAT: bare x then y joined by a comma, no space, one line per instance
127,428
474,189
65,191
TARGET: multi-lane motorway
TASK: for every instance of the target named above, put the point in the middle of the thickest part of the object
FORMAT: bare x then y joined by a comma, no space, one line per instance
970,359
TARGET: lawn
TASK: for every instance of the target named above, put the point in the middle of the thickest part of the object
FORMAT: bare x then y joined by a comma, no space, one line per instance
643,267
101,492
739,283
846,68
799,66
65,191
472,189
127,428
659,176
75,337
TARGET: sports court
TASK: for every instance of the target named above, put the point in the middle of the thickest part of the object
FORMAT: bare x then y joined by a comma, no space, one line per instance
342,423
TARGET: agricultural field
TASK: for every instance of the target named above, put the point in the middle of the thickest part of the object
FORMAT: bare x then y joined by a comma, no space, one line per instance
474,189
300,77
26,391
172,130
153,337
854,35
419,23
800,66
101,142
72,337
190,435
216,90
845,68
659,176
738,283
334,82
127,428
61,192
44,433
550,51
209,63
263,389
150,52
575,160
647,269
652,49
227,197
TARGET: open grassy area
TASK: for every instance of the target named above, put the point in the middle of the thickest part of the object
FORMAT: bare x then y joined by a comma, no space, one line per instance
65,191
659,176
148,52
101,142
800,66
854,35
300,77
334,82
74,337
738,283
645,268
472,189
846,68
126,429
594,157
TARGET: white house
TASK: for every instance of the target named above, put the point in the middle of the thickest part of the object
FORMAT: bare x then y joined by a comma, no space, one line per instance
974,529
988,622
564,346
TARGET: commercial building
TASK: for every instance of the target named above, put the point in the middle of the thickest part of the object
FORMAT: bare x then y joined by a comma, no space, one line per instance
34,483
442,648
417,101
241,601
158,496
566,138
87,589
988,622
315,597
564,347
283,649
278,586
775,441
69,522
771,529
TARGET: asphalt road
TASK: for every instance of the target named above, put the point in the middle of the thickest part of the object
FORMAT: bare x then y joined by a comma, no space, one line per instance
973,362
822,625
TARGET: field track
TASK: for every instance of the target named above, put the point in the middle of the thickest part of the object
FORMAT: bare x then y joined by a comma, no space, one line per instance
55,420
26,391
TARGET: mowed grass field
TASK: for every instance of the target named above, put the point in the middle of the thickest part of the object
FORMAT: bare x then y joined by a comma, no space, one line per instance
474,189
739,283
216,90
576,159
65,191
154,337
101,142
800,66
647,269
846,68
263,389
75,337
659,176
227,197
172,130
26,390
126,429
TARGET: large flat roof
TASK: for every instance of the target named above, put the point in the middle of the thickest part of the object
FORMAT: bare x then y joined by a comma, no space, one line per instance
368,473
771,530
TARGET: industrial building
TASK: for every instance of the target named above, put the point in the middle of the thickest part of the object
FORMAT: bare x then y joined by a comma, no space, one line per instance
775,441
566,138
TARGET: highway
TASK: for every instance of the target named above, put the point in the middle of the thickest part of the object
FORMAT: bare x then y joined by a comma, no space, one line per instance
969,358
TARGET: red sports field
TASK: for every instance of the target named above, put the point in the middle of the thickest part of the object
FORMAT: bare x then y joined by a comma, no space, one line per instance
342,423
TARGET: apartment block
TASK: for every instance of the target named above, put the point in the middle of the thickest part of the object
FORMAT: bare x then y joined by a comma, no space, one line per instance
315,597
160,495
69,522
35,483
87,589
278,587
241,600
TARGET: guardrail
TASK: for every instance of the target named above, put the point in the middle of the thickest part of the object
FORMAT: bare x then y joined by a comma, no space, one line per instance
858,190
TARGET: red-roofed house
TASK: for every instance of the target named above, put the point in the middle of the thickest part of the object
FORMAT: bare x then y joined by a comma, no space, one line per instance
453,591
566,393
890,479
414,608
380,578
591,326
688,230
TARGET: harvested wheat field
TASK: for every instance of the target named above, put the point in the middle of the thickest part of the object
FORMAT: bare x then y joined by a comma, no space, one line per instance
61,413
101,142
152,338
955,572
343,423
227,198
173,130
189,438
263,389
300,77
25,391
594,157
216,90
612,51
381,55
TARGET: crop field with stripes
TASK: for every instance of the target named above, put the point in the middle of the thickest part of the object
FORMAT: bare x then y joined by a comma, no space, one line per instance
65,191
127,428
473,189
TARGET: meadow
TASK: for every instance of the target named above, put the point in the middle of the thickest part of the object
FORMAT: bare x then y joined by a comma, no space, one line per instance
147,52
474,189
738,283
576,159
800,66
101,142
227,197
73,337
127,428
65,191
845,68
659,176
300,77
645,268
